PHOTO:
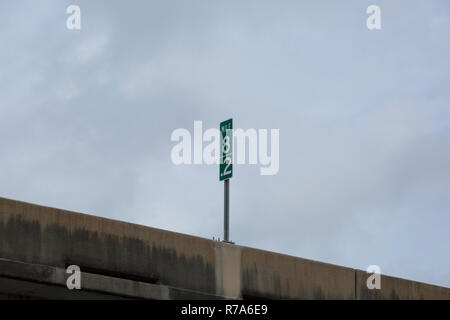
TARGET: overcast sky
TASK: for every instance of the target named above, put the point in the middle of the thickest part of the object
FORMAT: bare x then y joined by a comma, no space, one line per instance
364,117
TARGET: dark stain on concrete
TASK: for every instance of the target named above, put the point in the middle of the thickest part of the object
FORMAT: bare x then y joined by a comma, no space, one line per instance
367,294
394,295
23,240
12,238
251,277
318,294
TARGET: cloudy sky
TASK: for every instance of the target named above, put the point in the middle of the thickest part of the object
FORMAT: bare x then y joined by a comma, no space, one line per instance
364,116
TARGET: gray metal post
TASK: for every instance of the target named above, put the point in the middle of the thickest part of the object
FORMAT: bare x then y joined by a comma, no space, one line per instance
226,210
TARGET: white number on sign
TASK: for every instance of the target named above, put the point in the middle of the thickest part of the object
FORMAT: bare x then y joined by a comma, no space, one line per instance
228,163
226,144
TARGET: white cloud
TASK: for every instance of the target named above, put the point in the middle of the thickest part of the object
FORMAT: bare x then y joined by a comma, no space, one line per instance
85,49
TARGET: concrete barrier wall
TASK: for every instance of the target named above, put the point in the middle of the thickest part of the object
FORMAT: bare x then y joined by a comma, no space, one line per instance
42,235
398,289
175,265
278,276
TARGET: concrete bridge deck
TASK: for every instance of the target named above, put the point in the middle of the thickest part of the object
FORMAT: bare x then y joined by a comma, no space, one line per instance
121,260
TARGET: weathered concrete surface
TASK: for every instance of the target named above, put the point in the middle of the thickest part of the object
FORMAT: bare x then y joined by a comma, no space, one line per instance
278,276
47,236
124,260
47,282
398,289
228,269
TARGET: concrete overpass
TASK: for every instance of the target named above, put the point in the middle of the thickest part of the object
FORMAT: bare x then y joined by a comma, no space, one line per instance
121,260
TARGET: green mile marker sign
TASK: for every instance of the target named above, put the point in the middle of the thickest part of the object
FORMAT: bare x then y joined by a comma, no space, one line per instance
226,149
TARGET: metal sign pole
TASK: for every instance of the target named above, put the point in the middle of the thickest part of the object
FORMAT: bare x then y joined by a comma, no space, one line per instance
226,210
226,171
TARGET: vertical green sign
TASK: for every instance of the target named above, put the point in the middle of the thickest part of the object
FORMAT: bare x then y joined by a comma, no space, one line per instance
226,150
